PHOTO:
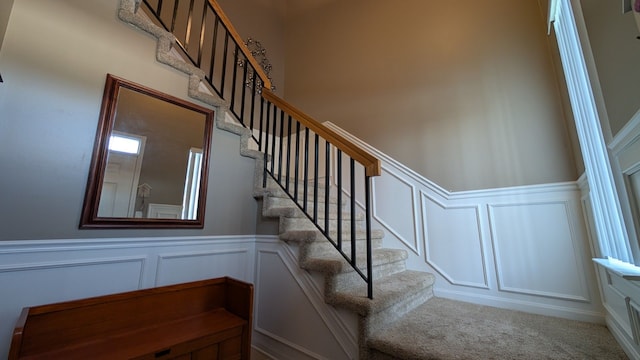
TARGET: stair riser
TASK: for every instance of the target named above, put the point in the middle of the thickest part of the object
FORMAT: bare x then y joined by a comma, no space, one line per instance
353,279
304,237
410,301
287,202
279,192
272,185
310,191
284,207
310,197
305,224
319,248
321,205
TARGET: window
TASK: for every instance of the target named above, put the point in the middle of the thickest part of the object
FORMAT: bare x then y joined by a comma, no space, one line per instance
192,184
611,236
124,144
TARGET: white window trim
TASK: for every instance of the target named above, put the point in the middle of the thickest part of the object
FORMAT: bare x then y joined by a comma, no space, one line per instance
612,238
192,185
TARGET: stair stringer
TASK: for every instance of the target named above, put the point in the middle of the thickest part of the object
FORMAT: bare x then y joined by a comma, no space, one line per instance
392,302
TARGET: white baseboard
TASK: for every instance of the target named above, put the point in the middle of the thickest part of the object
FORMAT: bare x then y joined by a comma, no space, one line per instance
525,306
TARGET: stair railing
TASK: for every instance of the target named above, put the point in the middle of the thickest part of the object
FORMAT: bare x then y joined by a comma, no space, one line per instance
298,150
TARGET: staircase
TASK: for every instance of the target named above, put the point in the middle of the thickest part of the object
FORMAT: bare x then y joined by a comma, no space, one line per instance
337,240
397,290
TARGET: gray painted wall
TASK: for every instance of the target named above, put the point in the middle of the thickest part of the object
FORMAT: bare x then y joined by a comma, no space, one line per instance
54,69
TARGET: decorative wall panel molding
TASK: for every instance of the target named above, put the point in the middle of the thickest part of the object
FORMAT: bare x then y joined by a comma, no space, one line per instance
283,290
175,268
460,259
537,236
390,210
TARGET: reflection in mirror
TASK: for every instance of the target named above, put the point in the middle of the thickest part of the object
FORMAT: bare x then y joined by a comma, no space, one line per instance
150,160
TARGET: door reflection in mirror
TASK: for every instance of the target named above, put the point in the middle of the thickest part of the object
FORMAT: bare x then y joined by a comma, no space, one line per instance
121,176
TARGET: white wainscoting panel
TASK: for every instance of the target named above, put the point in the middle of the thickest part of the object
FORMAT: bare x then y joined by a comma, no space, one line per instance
36,272
535,250
389,210
291,320
453,242
174,268
524,248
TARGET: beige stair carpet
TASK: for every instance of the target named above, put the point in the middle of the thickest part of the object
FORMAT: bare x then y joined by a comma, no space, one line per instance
445,329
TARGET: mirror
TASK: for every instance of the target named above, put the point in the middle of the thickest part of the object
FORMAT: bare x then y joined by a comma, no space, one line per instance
150,160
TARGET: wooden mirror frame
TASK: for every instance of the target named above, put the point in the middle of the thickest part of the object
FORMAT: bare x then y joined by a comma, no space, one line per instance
90,218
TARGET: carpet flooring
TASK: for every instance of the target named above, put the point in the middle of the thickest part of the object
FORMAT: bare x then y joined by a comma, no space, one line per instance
445,329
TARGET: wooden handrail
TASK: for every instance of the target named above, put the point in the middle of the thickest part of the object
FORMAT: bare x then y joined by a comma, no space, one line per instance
372,165
238,39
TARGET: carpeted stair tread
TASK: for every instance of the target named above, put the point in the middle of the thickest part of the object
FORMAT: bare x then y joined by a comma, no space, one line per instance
387,291
446,329
335,263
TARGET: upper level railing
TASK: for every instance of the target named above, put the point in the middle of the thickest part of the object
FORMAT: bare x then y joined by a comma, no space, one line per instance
300,154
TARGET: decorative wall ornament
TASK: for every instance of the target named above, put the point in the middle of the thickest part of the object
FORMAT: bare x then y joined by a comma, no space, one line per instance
259,52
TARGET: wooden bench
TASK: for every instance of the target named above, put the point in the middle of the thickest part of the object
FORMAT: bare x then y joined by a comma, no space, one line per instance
209,319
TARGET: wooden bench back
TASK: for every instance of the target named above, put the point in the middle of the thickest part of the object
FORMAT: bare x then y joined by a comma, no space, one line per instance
44,327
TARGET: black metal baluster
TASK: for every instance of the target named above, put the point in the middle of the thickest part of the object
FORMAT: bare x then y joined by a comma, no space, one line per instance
234,81
280,148
288,154
261,123
158,12
367,191
315,179
174,16
327,165
187,31
244,89
224,61
306,168
253,103
353,211
266,147
214,48
339,195
203,28
296,175
273,140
